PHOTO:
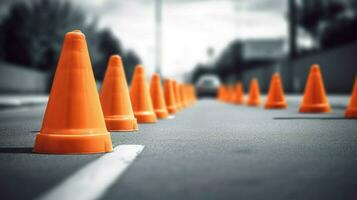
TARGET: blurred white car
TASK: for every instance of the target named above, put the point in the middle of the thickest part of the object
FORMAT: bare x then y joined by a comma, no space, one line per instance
207,85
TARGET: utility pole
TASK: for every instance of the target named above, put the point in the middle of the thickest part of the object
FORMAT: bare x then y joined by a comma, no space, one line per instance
292,45
292,29
158,36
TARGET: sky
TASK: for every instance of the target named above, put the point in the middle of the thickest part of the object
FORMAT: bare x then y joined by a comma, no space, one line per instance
189,27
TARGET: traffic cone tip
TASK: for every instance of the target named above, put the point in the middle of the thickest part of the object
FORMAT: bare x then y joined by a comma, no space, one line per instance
76,34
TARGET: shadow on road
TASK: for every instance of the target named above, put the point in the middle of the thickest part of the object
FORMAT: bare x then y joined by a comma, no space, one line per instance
310,118
16,150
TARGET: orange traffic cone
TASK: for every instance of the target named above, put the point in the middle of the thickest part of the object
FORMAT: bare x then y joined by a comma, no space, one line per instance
232,94
254,93
276,98
188,94
315,99
157,97
220,93
226,95
115,98
239,93
140,97
182,95
351,111
73,121
177,95
169,94
223,93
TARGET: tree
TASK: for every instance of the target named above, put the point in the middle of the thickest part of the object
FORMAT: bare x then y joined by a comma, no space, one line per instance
32,35
328,21
107,46
15,47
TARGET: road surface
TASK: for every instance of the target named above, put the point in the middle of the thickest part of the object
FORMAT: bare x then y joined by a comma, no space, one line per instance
211,150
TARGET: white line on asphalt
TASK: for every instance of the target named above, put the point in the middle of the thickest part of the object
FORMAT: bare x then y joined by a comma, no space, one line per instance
91,181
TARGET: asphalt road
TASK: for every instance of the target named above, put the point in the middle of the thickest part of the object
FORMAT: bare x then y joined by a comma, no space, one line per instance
211,150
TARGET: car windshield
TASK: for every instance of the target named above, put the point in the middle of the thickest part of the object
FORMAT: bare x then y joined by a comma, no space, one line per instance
208,83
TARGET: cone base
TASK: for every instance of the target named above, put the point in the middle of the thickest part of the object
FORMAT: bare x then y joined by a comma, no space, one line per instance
277,105
238,101
171,110
122,123
146,117
351,114
253,103
73,144
161,113
320,108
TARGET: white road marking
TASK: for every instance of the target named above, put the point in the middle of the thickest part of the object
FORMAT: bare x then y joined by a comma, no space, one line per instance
91,181
171,117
